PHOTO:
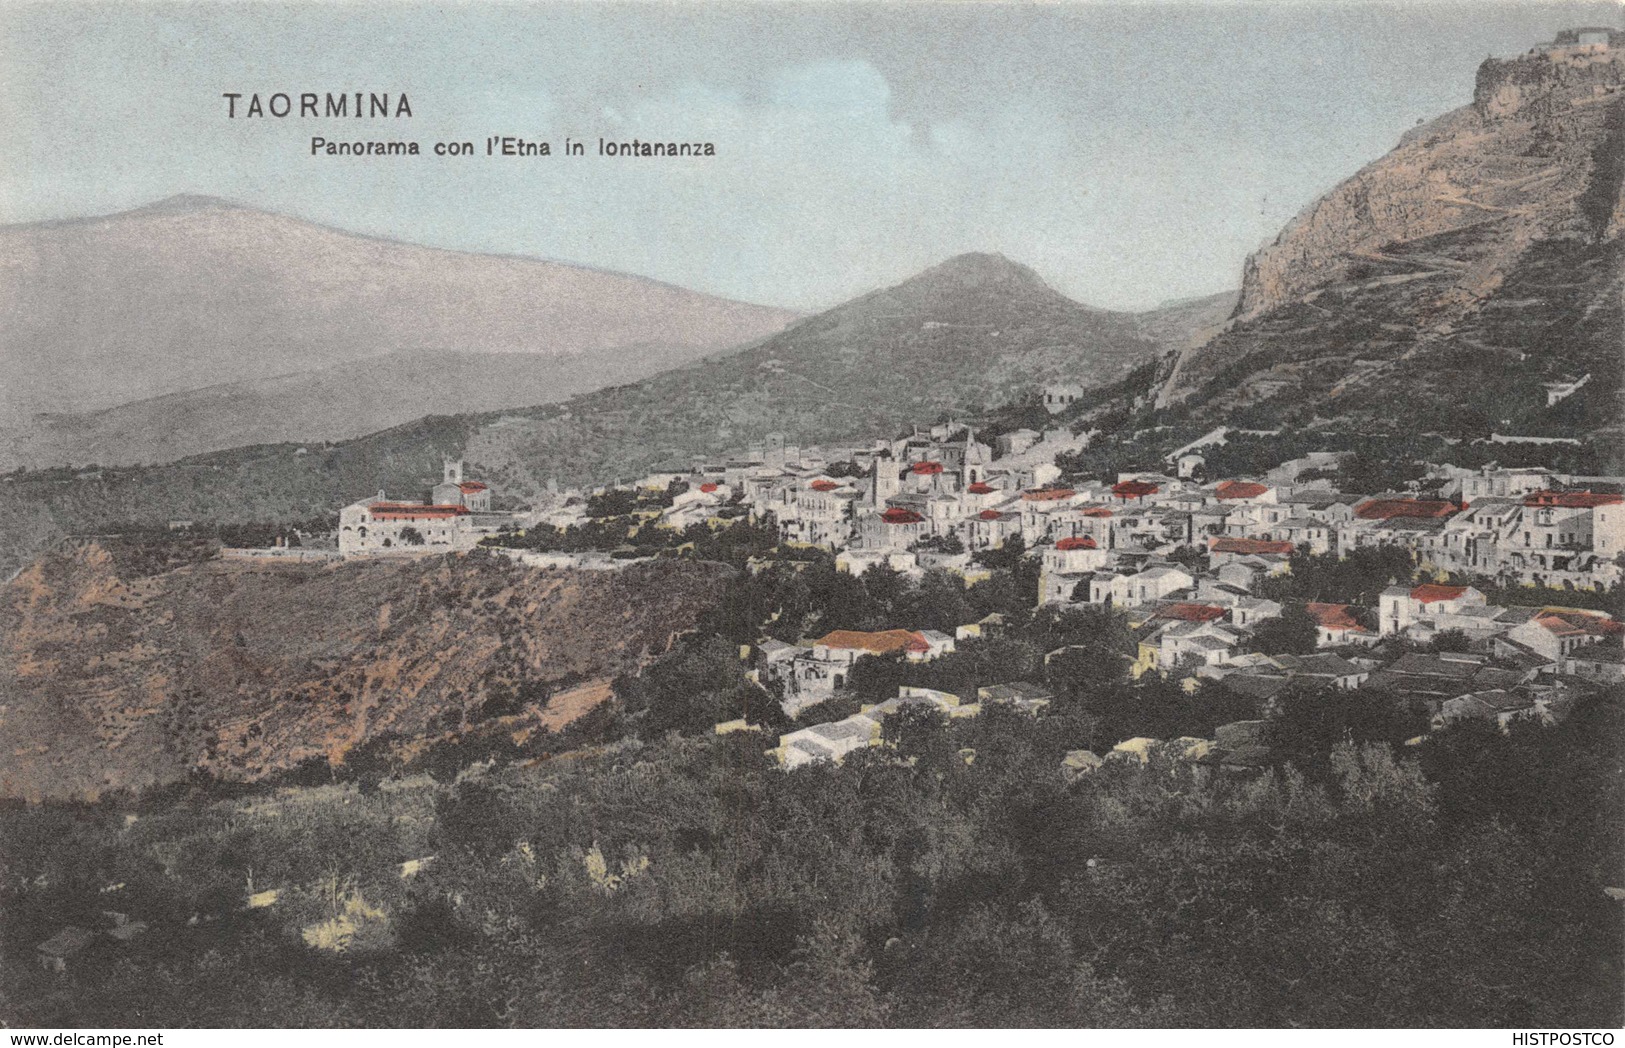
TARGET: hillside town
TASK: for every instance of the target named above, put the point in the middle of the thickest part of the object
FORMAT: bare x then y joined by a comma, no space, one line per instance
1188,561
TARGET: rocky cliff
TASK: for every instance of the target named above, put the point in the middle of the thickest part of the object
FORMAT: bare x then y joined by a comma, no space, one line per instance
1523,161
118,674
1485,245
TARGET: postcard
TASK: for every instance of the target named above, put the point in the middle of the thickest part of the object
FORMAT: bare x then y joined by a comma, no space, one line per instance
862,515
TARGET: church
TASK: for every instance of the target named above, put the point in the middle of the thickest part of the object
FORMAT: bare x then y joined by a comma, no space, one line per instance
447,522
453,490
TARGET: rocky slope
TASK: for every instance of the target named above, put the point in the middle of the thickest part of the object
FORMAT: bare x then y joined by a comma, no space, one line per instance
1519,164
1487,243
116,673
195,292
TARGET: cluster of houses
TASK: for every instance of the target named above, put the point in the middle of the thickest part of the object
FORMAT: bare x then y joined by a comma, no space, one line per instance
834,740
1183,558
934,498
937,496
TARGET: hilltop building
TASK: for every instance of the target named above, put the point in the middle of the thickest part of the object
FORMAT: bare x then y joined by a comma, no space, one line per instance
457,518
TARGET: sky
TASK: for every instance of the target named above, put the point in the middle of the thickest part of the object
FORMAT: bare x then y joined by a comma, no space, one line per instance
1130,153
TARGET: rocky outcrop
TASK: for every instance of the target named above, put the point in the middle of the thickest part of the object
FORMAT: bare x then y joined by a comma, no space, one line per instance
1538,156
113,678
1515,164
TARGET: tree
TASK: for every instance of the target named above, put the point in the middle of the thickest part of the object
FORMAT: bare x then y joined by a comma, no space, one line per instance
949,543
1452,640
919,732
616,502
691,689
411,536
1293,632
1007,557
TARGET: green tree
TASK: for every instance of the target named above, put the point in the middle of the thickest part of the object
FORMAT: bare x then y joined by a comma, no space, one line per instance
1293,632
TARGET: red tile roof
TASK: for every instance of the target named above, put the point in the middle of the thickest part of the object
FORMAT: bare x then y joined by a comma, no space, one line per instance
824,485
880,643
979,488
1429,592
1134,489
1568,622
412,511
1387,509
1048,494
1334,617
900,516
926,468
708,488
1078,542
469,487
990,514
1191,612
1573,499
1248,547
1239,489
1097,511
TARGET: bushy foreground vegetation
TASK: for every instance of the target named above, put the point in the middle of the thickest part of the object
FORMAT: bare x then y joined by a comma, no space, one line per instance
954,878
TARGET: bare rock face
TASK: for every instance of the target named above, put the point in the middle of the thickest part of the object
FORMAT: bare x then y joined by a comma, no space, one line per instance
1460,249
1535,155
118,671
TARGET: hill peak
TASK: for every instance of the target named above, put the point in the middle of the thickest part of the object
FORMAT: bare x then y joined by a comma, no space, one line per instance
980,269
186,202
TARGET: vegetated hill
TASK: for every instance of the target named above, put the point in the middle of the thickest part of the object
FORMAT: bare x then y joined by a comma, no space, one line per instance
977,330
113,674
1444,284
1182,323
324,405
194,292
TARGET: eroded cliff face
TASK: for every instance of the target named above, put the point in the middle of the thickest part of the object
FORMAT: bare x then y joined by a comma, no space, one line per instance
111,678
1515,165
1431,231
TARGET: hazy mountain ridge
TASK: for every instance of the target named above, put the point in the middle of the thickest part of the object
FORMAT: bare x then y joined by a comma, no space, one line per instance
861,370
196,292
328,404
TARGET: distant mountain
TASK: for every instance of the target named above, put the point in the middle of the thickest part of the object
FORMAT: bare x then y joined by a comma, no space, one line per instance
1187,322
973,332
195,292
319,406
1445,284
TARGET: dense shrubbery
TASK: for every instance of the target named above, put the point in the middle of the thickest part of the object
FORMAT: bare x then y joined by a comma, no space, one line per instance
1359,578
690,883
